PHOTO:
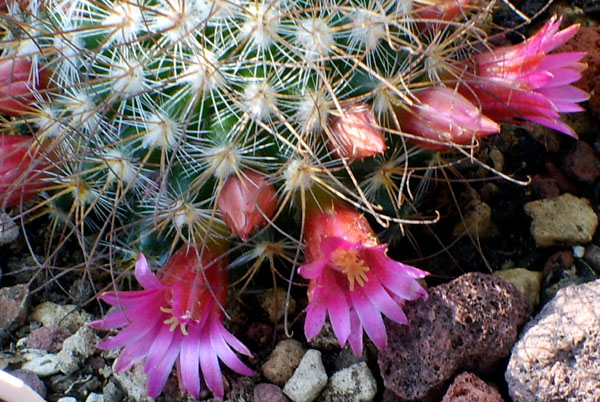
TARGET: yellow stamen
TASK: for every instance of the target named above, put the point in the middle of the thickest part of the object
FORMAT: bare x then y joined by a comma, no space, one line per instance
173,322
351,266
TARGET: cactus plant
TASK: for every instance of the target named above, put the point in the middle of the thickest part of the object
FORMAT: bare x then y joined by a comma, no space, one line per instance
174,125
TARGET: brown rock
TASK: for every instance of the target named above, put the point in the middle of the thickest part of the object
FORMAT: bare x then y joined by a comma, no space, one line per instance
282,362
470,323
49,339
269,393
14,302
582,164
468,387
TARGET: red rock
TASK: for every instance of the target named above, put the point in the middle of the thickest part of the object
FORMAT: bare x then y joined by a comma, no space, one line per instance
269,393
468,387
470,323
45,338
14,302
582,164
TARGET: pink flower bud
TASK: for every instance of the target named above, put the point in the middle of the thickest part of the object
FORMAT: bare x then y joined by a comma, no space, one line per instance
22,169
246,201
18,85
356,134
440,10
444,116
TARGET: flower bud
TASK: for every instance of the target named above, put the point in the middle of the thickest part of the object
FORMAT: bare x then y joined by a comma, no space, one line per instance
22,169
356,134
444,116
440,10
246,201
18,85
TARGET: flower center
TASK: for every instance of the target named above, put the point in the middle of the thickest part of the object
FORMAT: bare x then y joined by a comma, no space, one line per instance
174,322
351,266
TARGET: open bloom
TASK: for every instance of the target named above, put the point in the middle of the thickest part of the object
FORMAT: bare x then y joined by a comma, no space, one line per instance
525,81
176,319
352,280
22,169
246,202
356,134
19,82
444,117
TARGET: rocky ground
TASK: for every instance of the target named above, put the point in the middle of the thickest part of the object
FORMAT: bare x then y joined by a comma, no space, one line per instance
514,295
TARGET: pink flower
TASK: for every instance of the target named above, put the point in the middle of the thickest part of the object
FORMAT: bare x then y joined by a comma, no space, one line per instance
175,319
246,202
352,280
440,10
23,169
443,116
525,81
356,134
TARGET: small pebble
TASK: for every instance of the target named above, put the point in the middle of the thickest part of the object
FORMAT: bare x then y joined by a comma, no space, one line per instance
308,379
9,230
269,393
40,362
32,380
67,317
14,302
578,251
76,349
353,384
93,397
527,282
273,302
67,399
282,362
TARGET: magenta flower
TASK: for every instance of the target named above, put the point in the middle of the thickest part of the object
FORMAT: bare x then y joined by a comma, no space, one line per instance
352,280
175,319
524,81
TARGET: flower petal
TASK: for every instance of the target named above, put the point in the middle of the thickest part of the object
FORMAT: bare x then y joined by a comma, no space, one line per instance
224,352
189,364
315,317
144,276
157,378
209,364
370,318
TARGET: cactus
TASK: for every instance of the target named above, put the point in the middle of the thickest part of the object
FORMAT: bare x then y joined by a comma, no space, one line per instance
172,125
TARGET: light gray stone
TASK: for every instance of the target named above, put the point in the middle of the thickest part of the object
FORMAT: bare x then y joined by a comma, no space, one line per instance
352,384
67,317
132,381
308,379
558,355
93,397
41,362
9,230
67,399
76,349
562,221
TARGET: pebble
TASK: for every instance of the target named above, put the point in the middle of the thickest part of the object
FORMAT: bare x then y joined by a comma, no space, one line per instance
273,302
41,363
269,393
353,384
308,379
112,392
476,222
582,164
282,362
470,323
67,317
49,339
32,380
9,230
467,387
93,397
563,221
132,381
76,349
14,302
558,355
67,399
527,282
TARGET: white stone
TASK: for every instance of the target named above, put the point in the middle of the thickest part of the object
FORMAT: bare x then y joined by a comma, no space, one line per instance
352,384
67,317
76,349
93,397
67,399
562,221
41,362
308,380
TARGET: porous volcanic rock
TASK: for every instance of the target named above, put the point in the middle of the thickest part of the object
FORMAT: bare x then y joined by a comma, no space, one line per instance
467,324
467,387
558,355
